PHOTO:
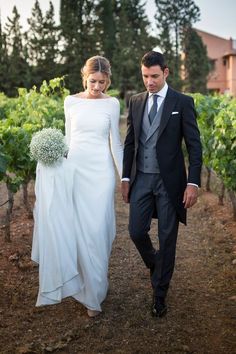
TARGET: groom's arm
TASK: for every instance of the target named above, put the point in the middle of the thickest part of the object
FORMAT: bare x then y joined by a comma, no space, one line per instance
193,143
128,145
128,155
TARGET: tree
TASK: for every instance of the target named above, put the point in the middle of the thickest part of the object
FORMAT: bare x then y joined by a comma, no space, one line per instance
106,27
164,41
78,37
3,60
51,43
173,18
17,64
42,42
34,35
133,40
196,63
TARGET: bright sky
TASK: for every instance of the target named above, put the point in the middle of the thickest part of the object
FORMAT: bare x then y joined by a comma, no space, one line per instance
217,17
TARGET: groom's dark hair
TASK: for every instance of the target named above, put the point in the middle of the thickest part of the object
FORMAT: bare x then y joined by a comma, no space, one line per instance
153,58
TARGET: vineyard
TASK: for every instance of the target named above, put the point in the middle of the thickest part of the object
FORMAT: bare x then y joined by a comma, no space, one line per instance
217,123
19,118
33,110
201,299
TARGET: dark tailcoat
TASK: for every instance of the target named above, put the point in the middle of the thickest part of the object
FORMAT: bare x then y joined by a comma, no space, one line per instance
178,124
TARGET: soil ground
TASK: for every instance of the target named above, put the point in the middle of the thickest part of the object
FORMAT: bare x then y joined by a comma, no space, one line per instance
201,300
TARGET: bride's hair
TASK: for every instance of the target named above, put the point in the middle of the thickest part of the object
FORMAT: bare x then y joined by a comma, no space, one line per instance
96,64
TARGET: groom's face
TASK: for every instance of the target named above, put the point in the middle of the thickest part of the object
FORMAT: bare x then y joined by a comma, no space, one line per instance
154,77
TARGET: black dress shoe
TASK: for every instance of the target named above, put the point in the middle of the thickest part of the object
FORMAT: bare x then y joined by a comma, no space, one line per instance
159,308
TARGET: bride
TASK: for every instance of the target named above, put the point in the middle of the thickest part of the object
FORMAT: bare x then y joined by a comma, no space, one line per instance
74,210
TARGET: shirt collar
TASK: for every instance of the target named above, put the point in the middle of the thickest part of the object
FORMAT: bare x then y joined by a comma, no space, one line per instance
161,93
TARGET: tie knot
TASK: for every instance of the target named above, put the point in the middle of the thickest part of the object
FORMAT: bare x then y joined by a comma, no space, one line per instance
155,97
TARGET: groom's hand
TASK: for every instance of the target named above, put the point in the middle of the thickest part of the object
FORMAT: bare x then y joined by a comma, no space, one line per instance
190,196
125,191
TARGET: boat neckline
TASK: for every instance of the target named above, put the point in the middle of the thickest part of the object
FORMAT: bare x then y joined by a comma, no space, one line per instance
91,99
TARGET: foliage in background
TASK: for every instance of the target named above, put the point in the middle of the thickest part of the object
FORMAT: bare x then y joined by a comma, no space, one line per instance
42,40
117,29
196,62
16,74
21,117
133,40
78,38
174,18
224,162
217,123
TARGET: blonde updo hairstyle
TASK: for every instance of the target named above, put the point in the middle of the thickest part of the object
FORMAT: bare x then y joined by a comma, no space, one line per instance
96,64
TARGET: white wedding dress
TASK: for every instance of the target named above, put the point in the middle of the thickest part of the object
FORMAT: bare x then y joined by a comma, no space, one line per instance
74,210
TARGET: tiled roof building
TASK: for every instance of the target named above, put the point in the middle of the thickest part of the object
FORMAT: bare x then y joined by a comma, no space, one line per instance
222,53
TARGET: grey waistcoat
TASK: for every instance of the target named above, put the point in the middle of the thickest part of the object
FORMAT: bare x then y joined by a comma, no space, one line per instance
147,158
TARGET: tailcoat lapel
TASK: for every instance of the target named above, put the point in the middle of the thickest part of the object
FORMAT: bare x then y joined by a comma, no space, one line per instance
168,108
139,112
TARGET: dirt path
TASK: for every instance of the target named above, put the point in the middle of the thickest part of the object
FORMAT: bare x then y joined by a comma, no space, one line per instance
201,298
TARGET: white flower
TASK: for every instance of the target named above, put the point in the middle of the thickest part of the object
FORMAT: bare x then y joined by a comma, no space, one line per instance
48,146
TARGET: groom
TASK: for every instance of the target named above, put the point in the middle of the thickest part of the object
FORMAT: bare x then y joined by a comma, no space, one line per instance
154,176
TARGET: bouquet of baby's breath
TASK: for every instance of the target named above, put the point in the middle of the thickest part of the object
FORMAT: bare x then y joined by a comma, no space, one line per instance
48,146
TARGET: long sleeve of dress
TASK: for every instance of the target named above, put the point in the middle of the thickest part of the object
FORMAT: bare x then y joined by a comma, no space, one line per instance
116,145
67,122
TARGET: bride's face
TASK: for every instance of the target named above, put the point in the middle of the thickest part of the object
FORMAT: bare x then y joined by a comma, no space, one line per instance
96,84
